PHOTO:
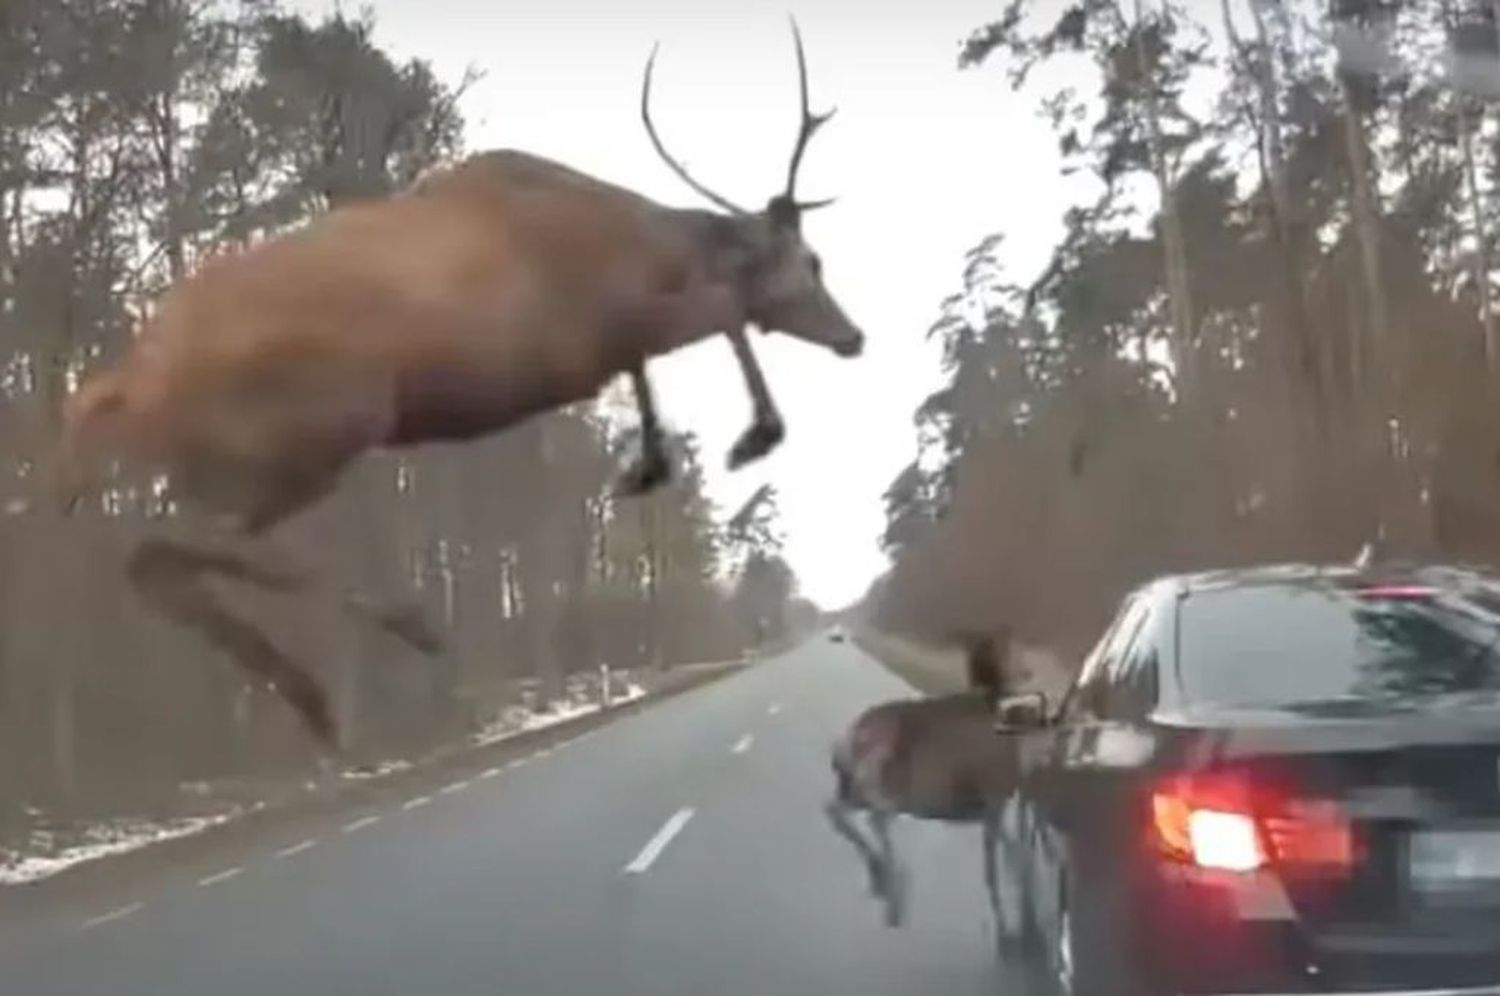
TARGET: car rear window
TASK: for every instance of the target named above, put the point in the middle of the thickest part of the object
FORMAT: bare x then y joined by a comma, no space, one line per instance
1281,644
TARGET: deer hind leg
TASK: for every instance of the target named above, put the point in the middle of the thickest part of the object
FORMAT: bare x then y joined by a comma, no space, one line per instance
170,576
839,813
894,874
766,429
651,469
839,810
400,618
405,620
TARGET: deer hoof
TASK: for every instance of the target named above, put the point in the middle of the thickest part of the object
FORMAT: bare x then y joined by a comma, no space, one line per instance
647,474
895,898
308,700
761,438
407,624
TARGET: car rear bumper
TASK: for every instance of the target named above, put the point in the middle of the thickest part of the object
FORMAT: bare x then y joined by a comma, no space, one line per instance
1230,934
1468,991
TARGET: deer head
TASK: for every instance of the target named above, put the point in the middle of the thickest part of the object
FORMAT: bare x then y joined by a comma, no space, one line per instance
779,275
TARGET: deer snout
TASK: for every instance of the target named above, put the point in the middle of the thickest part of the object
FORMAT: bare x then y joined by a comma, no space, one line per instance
851,346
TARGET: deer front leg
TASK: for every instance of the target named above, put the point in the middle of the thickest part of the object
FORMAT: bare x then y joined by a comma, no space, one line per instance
651,468
766,428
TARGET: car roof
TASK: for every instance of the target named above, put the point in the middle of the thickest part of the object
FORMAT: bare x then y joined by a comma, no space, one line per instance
1436,575
1476,587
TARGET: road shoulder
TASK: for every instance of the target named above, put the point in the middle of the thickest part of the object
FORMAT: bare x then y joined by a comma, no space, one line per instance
93,884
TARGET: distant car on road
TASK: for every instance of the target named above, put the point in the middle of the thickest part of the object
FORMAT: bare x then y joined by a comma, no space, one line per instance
837,634
1276,780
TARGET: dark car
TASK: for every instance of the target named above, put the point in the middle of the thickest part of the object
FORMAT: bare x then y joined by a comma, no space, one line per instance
1278,780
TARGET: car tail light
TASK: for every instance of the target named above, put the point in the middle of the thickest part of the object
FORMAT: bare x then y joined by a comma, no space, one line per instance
1225,820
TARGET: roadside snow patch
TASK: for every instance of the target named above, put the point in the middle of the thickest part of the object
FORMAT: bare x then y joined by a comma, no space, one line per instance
376,770
102,840
517,720
629,695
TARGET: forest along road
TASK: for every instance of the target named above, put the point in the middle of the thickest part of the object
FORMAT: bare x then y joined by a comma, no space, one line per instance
682,849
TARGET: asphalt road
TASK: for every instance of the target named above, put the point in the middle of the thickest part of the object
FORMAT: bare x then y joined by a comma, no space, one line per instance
679,850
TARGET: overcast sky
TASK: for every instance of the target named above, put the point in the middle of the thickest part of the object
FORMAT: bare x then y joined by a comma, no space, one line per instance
925,161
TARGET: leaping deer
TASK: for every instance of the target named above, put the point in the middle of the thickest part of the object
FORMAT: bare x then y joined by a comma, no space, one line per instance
498,288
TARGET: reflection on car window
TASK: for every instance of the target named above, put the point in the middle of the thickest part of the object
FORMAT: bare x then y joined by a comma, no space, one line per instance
1132,671
1087,698
1281,644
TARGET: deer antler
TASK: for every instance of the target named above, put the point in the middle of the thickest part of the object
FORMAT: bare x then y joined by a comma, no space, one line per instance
661,149
810,124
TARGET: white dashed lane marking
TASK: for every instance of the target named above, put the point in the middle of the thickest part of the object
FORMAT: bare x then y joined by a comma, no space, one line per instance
113,915
455,787
657,844
419,801
223,876
368,821
743,743
296,849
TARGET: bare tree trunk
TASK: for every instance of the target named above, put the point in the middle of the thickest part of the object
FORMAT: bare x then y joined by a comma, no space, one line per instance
1307,416
1306,367
1365,211
1174,247
1468,120
540,561
650,517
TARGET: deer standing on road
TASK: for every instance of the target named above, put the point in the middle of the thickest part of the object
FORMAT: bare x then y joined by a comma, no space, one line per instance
936,759
503,286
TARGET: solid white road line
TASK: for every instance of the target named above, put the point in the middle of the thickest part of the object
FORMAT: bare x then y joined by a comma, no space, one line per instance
420,800
223,876
295,849
658,843
743,743
368,821
113,915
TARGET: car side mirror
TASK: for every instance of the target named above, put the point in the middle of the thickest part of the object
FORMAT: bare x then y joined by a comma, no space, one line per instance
1024,712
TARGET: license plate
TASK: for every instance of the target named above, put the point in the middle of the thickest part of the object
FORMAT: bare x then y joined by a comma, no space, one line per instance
1455,863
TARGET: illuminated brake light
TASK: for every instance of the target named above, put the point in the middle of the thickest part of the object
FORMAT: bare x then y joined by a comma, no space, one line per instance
1219,820
1224,840
1315,836
1207,821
